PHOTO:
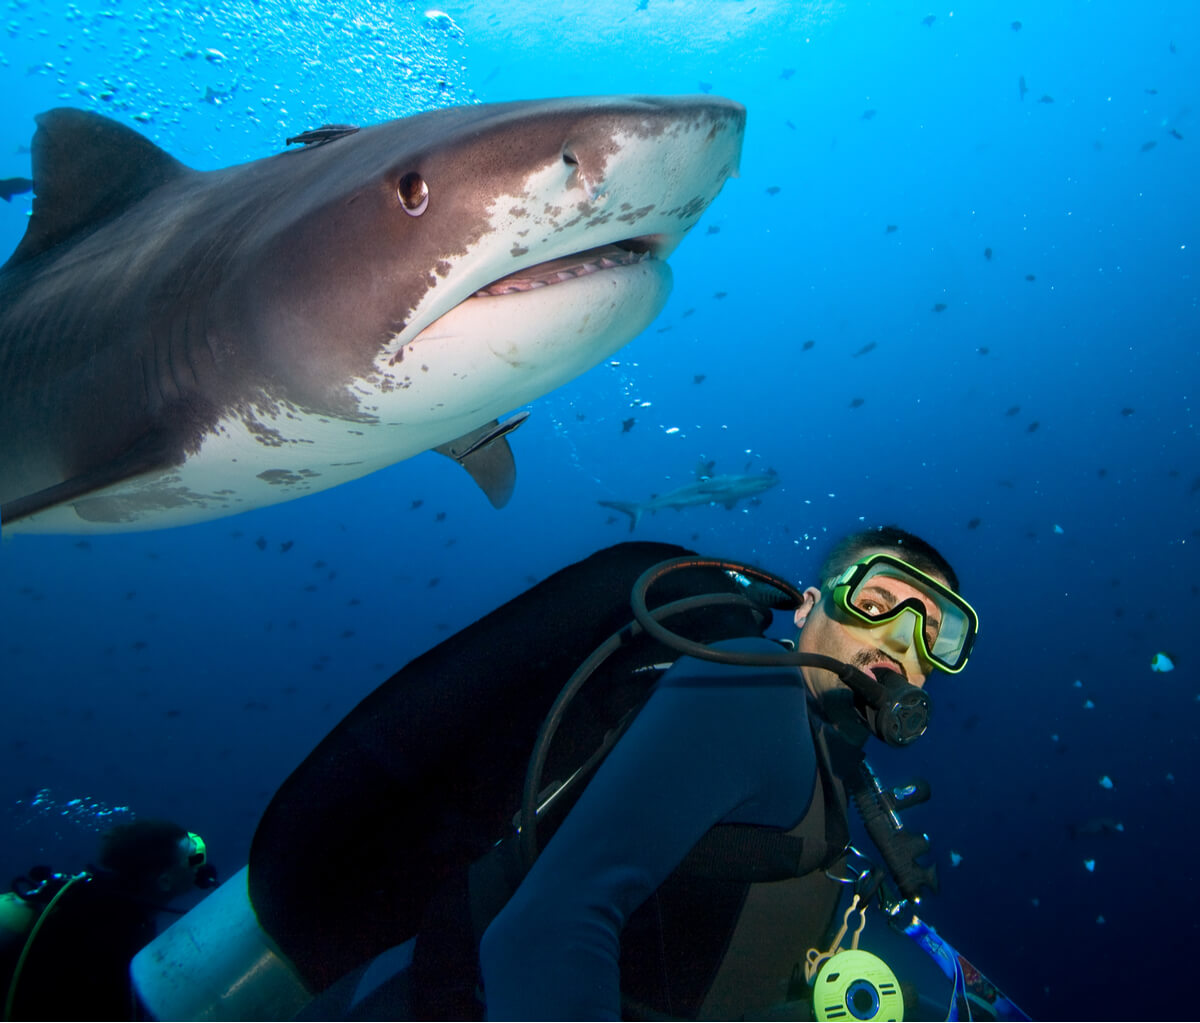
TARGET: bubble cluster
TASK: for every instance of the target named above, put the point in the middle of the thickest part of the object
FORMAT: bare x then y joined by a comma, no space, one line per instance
254,68
83,812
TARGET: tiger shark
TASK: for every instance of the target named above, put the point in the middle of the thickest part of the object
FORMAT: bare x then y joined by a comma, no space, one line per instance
179,345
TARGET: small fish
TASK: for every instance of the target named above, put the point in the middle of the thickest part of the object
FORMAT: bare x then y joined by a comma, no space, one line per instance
1147,146
787,73
1022,88
868,347
1016,26
713,229
440,517
807,345
286,546
891,229
14,186
773,190
974,523
987,254
417,502
1161,662
261,543
857,402
939,307
1046,99
1095,827
983,349
627,424
1174,134
868,114
705,86
325,133
928,20
1151,92
698,378
1126,411
1030,277
1013,410
1032,427
720,294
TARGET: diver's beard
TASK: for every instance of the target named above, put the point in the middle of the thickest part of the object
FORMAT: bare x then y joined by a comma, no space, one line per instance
864,657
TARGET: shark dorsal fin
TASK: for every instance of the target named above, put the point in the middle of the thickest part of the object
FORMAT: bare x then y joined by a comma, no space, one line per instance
87,169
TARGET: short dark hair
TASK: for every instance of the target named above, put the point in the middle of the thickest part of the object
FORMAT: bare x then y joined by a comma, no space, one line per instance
141,850
909,547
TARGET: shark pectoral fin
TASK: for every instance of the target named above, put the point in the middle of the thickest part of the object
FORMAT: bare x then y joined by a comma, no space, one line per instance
485,454
146,455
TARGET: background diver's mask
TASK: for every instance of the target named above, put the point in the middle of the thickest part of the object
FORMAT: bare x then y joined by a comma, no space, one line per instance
204,874
862,596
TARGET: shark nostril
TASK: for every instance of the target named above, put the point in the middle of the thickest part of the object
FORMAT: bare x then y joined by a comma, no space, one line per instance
413,194
569,158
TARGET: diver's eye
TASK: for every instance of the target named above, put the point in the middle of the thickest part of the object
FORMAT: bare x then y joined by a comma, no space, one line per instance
870,606
413,194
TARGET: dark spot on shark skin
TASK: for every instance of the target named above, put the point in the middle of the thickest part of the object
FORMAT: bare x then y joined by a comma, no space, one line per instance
287,478
627,424
518,251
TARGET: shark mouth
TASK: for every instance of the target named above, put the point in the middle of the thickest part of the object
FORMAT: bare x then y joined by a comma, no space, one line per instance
567,268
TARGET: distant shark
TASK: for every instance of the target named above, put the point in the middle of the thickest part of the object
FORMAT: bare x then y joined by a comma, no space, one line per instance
722,490
179,345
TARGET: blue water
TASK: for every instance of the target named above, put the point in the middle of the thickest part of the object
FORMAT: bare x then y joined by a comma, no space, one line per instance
185,673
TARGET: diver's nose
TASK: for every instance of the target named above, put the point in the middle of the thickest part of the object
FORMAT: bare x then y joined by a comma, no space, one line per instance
899,634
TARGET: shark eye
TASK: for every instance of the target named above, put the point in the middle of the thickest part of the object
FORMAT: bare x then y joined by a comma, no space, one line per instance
413,194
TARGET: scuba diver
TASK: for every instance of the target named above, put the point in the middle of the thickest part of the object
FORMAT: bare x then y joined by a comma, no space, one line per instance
560,812
66,940
725,744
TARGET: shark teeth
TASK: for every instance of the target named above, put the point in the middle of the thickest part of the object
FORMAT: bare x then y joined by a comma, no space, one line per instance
556,271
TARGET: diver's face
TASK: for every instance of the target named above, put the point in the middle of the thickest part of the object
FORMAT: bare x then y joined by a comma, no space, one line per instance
888,646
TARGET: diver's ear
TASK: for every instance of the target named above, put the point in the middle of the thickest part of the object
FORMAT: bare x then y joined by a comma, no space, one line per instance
808,600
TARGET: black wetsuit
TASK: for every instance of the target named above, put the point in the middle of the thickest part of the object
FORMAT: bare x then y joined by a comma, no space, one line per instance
714,744
78,964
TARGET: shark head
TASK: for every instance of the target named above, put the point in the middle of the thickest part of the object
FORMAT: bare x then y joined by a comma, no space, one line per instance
179,345
478,257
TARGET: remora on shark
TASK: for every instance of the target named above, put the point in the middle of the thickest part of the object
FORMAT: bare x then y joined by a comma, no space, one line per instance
179,345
